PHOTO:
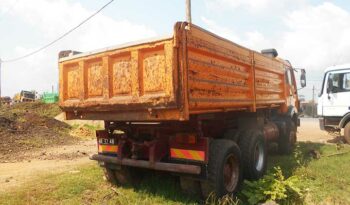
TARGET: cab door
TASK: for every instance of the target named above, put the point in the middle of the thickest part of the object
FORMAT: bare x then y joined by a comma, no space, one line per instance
336,94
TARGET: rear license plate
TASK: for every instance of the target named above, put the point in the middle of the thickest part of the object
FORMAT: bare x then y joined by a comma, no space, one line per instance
107,145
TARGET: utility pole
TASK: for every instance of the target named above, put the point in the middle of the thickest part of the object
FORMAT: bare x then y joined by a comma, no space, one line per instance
313,101
188,12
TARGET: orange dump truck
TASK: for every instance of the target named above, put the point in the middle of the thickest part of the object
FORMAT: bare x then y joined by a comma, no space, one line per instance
193,104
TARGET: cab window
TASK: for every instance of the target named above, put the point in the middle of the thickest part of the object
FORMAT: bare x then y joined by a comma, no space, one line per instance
340,82
346,81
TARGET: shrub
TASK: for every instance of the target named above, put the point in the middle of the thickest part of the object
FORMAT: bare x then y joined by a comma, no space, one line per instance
274,187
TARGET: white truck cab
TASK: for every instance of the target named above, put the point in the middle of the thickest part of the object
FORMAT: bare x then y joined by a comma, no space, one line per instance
334,100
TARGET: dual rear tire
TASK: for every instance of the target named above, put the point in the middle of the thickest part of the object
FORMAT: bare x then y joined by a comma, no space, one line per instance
254,155
229,163
224,169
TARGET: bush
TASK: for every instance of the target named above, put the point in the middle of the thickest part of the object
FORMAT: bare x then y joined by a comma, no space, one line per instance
274,187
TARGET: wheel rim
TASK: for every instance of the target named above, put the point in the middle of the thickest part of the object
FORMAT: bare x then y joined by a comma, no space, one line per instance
259,156
231,173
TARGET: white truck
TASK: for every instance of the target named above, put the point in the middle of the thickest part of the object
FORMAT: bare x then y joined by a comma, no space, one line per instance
334,100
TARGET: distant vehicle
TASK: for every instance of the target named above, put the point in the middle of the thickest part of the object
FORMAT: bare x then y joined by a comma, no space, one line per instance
334,100
24,96
5,100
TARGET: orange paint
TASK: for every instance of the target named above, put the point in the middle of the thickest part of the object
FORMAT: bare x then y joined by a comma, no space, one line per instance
187,154
108,148
192,72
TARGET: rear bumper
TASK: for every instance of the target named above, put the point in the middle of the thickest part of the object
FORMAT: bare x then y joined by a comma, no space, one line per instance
170,167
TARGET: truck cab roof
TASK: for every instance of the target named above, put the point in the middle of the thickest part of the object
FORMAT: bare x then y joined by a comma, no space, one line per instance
338,67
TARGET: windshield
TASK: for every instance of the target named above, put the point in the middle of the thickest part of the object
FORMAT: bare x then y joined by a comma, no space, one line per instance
339,80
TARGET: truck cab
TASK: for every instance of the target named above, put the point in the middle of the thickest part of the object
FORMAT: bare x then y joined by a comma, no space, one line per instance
333,102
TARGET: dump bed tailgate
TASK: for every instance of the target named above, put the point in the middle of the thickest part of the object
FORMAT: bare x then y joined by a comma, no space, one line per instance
134,78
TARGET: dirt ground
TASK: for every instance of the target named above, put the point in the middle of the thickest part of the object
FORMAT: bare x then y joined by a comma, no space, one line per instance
30,126
65,158
32,141
47,160
310,131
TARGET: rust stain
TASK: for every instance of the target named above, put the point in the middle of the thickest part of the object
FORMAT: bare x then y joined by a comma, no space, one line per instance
94,79
121,72
153,71
74,80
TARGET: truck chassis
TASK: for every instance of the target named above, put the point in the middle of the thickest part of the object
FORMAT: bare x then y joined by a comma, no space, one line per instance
203,151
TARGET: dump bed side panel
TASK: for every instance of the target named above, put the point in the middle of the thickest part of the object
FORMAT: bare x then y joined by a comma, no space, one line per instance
269,81
220,73
131,80
224,76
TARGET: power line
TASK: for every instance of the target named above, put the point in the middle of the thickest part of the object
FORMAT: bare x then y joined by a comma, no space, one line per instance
59,38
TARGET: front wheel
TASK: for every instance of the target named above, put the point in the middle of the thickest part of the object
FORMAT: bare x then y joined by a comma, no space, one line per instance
224,169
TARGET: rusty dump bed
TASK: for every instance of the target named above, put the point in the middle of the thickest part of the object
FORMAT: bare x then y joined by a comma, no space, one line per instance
191,72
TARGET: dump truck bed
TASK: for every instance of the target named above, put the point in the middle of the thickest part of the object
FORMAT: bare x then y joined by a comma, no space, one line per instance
193,71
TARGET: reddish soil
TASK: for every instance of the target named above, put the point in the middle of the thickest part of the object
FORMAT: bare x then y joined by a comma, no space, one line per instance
30,126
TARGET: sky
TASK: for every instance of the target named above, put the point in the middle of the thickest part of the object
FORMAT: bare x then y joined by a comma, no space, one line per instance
311,34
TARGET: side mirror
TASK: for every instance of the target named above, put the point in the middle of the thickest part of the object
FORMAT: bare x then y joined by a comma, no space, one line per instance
330,85
303,78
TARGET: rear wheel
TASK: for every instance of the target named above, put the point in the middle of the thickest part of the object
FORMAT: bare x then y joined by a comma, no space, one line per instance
347,132
224,169
288,139
253,151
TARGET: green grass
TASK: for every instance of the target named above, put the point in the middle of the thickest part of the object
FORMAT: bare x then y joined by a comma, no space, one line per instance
40,108
329,177
326,180
88,187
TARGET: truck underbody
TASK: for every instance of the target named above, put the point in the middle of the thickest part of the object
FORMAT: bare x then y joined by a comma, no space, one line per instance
184,148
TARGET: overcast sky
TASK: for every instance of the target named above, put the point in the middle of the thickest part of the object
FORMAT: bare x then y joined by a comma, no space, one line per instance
312,34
